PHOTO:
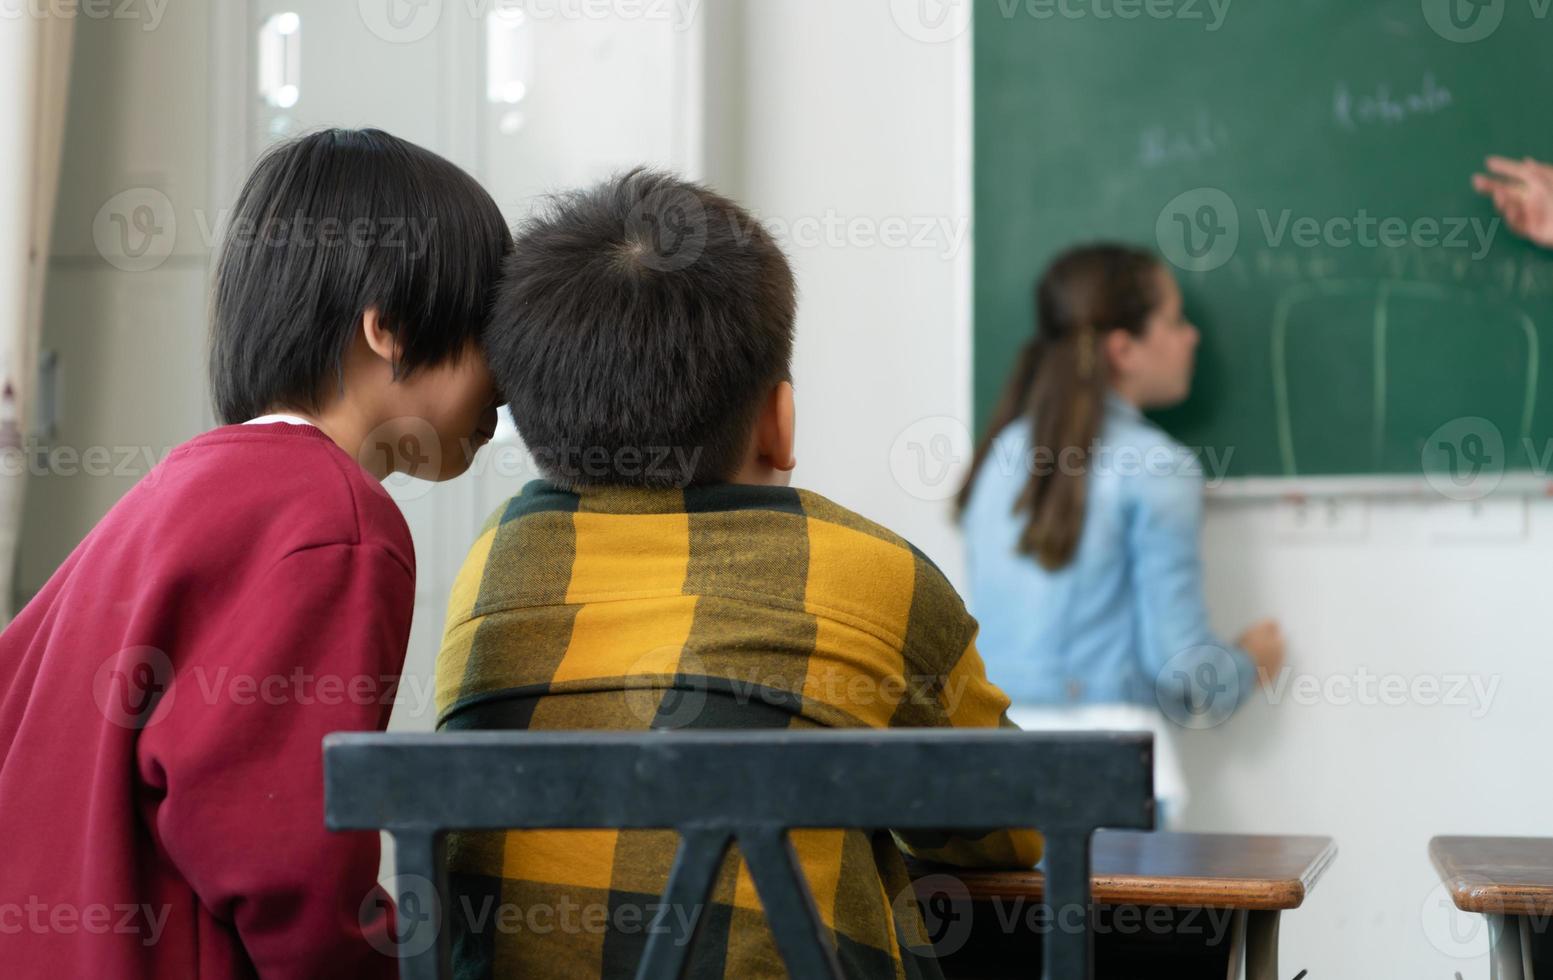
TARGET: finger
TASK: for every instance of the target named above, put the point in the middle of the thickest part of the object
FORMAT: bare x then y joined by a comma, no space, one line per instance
1524,170
1484,184
1543,172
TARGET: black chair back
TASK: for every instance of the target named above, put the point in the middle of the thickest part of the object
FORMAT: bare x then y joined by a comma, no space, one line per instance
715,787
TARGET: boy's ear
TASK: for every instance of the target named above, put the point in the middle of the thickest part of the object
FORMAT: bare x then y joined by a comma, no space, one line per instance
381,339
775,429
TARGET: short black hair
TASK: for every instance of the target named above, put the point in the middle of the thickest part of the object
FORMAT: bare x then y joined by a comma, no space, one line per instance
638,326
327,226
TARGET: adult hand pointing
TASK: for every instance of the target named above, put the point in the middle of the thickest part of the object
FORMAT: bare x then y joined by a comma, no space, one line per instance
1523,192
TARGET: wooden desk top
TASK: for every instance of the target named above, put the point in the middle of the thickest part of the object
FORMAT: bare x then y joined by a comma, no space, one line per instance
1254,872
1510,875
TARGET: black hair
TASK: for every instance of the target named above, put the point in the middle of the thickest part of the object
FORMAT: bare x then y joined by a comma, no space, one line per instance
329,225
638,327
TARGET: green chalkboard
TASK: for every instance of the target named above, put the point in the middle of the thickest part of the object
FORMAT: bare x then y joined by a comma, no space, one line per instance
1305,166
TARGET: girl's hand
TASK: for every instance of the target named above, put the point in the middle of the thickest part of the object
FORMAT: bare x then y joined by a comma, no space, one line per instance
1523,192
1264,642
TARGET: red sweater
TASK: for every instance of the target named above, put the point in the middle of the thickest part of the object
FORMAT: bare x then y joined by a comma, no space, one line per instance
162,703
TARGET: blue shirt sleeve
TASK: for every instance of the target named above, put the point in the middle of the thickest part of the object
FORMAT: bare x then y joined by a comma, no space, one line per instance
1190,665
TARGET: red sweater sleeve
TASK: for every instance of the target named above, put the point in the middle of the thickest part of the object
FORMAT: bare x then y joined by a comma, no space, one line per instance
237,756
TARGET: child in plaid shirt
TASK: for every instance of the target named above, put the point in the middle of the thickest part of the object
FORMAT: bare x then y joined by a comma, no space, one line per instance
664,575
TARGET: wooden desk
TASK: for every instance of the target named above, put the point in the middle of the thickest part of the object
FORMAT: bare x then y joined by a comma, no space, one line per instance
1509,880
1252,878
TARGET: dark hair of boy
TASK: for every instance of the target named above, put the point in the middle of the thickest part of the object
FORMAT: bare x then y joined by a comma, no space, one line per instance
332,224
639,326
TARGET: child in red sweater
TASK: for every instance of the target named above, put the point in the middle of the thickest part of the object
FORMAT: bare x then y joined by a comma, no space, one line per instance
163,698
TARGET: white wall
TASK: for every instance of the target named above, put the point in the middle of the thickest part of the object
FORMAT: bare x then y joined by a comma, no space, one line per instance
130,340
837,108
1384,777
846,132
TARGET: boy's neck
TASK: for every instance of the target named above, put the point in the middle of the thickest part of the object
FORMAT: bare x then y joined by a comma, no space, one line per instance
758,473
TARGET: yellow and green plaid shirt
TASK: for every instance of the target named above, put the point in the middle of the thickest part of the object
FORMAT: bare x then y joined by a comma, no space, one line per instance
712,607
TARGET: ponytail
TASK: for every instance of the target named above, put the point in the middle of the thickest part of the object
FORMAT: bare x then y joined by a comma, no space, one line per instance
1059,384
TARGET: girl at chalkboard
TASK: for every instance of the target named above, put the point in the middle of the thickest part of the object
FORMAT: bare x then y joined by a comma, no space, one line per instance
1082,521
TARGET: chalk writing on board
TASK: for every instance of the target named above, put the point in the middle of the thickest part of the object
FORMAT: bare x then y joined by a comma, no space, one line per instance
1515,275
1161,144
1379,296
1384,107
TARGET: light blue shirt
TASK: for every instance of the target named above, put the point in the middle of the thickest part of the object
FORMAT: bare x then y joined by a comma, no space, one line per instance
1124,621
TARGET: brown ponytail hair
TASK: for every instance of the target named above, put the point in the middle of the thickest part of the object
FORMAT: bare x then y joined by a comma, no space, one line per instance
1059,383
